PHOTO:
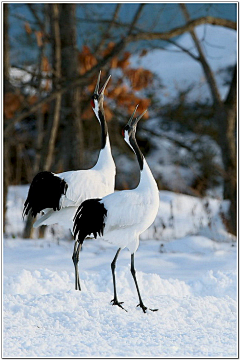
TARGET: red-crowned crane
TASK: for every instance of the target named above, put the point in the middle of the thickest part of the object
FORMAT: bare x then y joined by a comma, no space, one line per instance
122,216
59,195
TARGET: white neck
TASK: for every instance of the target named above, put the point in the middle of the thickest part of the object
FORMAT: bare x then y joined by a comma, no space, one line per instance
147,181
105,159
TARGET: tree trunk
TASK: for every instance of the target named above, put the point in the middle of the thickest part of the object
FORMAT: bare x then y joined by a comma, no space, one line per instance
226,117
7,86
72,144
225,114
213,88
40,143
6,58
46,148
53,121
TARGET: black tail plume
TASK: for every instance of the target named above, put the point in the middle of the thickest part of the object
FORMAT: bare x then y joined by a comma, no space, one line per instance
45,191
89,219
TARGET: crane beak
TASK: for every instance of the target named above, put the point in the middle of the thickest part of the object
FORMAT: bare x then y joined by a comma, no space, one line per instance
98,82
134,122
104,86
131,118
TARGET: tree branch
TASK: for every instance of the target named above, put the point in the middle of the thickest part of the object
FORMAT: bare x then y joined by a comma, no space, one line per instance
38,20
175,141
80,81
135,19
190,25
206,68
211,20
35,14
56,64
83,80
183,49
111,24
33,73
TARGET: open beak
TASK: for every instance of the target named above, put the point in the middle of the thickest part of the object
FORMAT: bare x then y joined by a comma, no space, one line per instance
96,91
104,86
98,82
134,122
131,118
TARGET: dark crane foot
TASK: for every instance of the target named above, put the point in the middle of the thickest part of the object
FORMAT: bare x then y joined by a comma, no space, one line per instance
77,285
75,259
144,308
116,302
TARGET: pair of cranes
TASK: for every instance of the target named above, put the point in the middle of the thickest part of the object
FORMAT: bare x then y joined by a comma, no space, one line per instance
85,202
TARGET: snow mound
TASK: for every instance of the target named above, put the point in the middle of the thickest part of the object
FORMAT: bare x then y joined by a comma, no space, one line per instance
179,215
44,281
217,284
44,316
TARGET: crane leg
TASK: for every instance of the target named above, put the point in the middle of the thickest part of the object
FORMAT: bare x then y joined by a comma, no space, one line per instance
133,271
113,266
75,258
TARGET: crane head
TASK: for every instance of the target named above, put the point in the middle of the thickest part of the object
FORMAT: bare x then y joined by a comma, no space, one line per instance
98,95
129,130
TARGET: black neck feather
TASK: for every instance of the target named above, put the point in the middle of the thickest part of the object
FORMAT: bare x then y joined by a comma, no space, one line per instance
104,127
137,151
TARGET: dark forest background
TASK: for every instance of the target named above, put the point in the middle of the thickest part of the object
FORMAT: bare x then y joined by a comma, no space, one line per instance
52,57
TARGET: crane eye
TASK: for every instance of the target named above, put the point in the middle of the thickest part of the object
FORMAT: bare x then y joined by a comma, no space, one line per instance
123,132
93,104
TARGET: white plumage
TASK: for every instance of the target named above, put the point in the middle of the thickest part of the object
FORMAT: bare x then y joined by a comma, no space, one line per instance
79,185
122,216
131,212
82,184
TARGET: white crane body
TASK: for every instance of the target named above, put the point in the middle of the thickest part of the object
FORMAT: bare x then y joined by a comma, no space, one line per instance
120,217
82,184
131,212
58,196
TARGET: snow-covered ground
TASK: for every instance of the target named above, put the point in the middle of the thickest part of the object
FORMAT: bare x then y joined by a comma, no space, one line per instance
186,267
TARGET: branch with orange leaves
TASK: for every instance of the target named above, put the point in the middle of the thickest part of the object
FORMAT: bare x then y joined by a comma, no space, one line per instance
83,79
66,86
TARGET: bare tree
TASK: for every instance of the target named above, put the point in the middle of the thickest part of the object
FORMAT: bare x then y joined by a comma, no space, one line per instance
54,118
28,229
6,65
138,35
225,117
70,123
72,144
46,148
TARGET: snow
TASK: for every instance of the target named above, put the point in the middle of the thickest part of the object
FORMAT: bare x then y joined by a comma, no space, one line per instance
19,77
187,270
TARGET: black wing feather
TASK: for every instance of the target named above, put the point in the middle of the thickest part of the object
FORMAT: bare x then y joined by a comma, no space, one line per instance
89,219
45,191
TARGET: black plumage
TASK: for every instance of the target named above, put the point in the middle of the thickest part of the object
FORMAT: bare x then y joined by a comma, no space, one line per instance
89,219
45,191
